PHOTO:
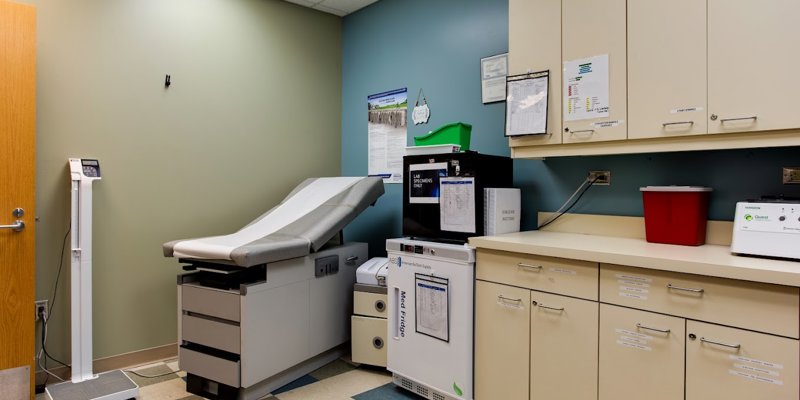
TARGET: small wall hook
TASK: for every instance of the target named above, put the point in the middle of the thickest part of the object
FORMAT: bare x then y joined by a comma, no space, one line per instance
167,82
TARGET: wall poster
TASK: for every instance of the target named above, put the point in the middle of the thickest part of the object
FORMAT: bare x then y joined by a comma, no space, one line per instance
386,132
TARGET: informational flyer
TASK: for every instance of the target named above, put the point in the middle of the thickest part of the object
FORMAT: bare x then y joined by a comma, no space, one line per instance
457,204
432,306
386,132
493,78
586,88
526,105
424,182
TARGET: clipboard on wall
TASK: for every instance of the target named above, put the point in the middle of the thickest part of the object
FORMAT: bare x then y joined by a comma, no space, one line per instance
527,104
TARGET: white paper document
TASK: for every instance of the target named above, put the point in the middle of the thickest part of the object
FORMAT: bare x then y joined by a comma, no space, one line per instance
432,306
457,204
586,88
493,78
526,104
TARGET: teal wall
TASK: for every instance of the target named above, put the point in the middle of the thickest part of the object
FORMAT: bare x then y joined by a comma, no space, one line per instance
437,46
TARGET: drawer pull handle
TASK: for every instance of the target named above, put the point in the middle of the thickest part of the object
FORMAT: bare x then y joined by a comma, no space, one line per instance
589,131
540,305
506,302
640,326
671,286
537,268
724,120
666,124
733,346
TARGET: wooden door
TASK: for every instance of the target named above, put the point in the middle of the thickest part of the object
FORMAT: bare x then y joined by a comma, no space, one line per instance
666,68
17,144
502,323
563,348
591,28
734,364
641,355
752,59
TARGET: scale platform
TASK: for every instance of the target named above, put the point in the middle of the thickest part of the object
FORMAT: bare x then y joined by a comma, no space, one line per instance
114,385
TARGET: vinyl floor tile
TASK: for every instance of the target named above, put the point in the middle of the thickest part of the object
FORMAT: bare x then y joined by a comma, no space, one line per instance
342,386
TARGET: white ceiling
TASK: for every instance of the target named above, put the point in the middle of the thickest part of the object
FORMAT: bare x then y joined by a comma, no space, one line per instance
337,7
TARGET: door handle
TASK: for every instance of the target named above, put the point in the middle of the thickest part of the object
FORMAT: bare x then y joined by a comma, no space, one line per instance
17,226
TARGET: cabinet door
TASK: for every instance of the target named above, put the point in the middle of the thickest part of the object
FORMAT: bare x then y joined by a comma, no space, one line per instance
666,68
752,57
534,44
502,323
733,364
593,28
641,355
563,347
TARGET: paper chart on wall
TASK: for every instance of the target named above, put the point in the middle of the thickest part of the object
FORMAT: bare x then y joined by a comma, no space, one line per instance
526,104
586,88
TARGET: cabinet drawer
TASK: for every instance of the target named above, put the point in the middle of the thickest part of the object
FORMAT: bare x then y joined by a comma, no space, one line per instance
547,274
213,302
209,367
729,363
369,304
756,306
216,334
369,340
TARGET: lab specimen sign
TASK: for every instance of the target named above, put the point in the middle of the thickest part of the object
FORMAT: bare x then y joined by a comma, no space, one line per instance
386,132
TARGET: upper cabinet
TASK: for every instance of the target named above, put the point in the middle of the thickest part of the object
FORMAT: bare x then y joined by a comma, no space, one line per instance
534,44
682,74
666,68
592,28
752,62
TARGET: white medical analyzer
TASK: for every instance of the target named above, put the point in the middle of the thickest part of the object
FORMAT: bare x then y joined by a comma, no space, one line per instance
431,325
767,227
84,384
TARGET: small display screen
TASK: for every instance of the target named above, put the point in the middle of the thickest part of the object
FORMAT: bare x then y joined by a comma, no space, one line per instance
92,163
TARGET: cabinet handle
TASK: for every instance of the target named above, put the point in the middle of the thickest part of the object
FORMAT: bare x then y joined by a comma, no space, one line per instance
640,326
666,124
548,307
590,131
538,268
671,286
733,346
724,120
508,303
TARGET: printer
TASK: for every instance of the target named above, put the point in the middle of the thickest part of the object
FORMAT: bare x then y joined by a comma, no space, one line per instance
267,304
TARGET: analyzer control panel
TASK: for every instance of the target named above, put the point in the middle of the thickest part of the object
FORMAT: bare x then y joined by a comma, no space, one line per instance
91,168
84,169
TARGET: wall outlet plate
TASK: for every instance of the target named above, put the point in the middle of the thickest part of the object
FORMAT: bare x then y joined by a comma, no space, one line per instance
791,175
603,177
40,304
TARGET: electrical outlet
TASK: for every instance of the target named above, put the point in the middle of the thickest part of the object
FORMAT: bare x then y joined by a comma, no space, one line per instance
791,175
41,308
603,177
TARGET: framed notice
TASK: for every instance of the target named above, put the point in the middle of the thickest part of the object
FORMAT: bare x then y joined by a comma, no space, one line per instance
526,104
493,78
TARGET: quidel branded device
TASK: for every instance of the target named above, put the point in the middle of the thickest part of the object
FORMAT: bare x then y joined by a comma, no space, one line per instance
767,227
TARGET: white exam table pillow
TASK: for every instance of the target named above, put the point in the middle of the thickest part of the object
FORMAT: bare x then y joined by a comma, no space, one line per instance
313,213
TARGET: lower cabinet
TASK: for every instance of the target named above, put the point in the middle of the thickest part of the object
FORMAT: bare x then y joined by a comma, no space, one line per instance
641,355
735,364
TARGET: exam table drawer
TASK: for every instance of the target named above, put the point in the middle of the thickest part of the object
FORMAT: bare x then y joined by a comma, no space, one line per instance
547,274
757,306
369,304
209,367
213,302
216,334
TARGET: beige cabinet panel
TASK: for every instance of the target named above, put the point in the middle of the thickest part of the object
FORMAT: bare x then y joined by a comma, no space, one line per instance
591,28
534,44
563,348
666,68
502,325
741,365
637,360
752,57
369,304
548,274
756,306
368,341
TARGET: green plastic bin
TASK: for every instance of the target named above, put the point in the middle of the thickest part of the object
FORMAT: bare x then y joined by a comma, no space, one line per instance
455,133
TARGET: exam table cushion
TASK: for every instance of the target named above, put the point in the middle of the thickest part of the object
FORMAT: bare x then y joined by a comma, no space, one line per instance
312,214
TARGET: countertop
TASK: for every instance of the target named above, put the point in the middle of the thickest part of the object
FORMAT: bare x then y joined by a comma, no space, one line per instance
708,260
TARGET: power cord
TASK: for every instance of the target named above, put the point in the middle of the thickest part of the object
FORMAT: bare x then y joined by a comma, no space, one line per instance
149,376
43,350
585,185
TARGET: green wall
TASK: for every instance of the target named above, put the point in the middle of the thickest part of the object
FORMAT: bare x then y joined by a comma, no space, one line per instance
254,108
